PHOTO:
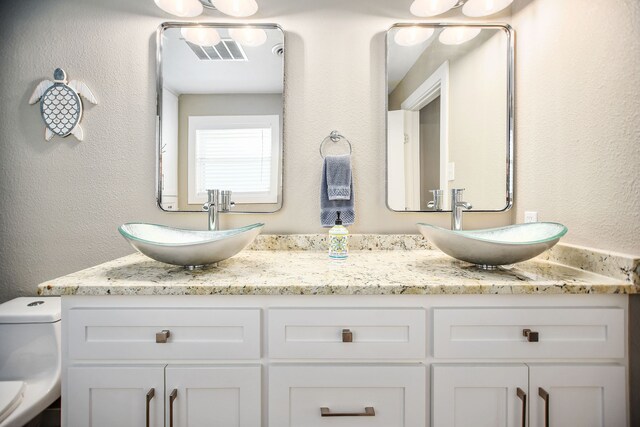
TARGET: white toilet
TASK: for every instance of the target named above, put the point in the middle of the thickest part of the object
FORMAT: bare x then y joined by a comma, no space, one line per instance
29,358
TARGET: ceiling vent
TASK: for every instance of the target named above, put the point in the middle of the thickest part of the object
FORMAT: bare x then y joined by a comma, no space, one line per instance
226,50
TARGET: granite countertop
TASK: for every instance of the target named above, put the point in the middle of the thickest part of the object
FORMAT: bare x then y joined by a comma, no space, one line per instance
277,266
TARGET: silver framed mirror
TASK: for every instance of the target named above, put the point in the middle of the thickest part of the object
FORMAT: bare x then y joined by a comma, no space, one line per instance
449,116
220,115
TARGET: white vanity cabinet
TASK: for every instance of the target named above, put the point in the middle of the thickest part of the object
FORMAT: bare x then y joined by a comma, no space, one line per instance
543,395
133,362
348,360
569,393
193,395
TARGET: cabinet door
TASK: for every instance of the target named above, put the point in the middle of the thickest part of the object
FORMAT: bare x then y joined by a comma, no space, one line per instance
108,396
578,395
226,396
479,395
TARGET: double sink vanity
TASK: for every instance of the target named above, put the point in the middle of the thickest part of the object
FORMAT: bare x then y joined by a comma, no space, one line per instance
399,334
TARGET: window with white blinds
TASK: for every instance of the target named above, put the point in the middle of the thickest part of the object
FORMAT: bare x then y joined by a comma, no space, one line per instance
237,153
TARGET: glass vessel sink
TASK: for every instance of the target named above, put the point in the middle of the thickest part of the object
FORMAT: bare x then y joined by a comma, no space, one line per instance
189,248
495,246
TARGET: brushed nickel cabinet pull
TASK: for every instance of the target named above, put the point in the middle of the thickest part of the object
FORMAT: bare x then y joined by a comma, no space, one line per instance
532,336
523,396
347,335
172,397
368,412
545,396
163,336
150,395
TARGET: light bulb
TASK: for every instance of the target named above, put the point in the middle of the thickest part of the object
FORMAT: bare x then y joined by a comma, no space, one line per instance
201,36
424,8
458,35
181,8
237,8
477,8
248,36
409,36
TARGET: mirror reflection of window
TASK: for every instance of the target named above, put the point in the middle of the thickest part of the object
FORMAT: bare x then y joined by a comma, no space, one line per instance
221,115
448,117
238,153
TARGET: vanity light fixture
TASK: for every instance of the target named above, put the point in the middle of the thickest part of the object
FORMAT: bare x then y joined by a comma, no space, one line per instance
478,8
181,8
193,8
236,8
248,36
201,36
458,35
410,36
425,8
471,8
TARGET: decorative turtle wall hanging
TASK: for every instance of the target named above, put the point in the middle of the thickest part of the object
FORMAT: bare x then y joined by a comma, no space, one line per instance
61,106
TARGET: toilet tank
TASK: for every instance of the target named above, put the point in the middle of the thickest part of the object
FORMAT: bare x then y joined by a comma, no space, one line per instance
29,338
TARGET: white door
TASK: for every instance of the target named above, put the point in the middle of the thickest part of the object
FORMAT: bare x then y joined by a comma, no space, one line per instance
479,395
220,396
578,395
108,396
395,160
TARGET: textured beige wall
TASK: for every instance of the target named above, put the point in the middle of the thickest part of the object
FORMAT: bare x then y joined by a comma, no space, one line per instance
477,123
578,118
62,200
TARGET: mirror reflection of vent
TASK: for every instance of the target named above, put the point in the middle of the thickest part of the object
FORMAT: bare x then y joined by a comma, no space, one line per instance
226,50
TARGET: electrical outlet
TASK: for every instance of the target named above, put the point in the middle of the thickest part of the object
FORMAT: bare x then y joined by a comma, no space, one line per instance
530,216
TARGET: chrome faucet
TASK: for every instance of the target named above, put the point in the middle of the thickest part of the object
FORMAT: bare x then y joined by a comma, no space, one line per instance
456,208
436,203
218,202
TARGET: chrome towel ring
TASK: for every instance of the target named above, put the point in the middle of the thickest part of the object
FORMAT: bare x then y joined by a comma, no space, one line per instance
335,136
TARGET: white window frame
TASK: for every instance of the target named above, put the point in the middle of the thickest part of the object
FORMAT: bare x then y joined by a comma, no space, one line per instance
235,122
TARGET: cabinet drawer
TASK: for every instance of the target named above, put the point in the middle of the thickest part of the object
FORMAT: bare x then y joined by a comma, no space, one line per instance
368,395
496,332
323,333
195,333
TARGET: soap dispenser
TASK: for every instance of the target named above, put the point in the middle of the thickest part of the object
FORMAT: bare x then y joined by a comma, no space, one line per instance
338,240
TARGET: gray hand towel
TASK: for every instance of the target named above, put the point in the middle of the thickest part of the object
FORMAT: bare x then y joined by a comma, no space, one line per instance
338,177
328,208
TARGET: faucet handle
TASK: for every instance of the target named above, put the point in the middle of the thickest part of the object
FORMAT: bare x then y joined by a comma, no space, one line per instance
225,201
436,203
212,199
